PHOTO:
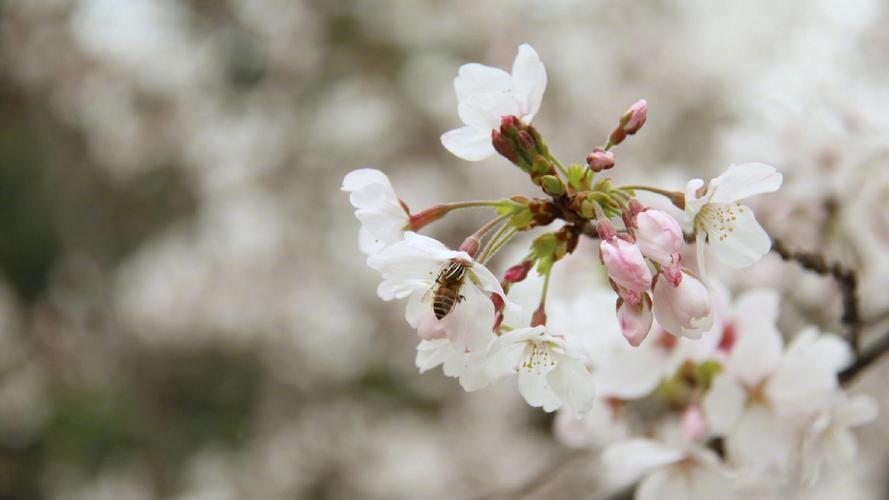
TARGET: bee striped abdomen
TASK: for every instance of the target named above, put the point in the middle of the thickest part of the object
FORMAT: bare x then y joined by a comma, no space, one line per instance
447,289
444,301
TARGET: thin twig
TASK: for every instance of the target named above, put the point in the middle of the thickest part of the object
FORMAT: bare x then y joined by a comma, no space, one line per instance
865,359
844,277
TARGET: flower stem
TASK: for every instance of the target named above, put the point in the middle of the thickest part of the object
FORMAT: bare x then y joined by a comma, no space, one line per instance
539,316
432,214
675,197
500,238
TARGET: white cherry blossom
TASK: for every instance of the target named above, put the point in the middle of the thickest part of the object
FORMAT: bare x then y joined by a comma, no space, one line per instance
485,94
410,268
758,405
828,442
383,217
551,372
683,310
684,471
722,223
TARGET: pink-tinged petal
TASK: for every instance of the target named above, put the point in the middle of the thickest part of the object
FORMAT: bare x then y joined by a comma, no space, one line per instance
744,244
468,143
529,81
684,310
635,320
474,78
626,265
573,384
658,236
693,202
723,404
745,180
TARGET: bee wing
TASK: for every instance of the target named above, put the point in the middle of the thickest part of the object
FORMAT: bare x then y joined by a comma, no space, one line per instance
427,297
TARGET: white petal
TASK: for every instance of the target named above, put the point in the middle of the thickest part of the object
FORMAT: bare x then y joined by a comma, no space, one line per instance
474,78
662,484
484,111
693,204
745,180
431,353
639,455
744,244
535,389
761,441
470,323
723,404
468,143
859,410
628,373
573,384
529,81
358,179
759,346
368,243
486,280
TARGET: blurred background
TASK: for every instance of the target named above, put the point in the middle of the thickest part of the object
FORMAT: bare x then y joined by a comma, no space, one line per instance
184,312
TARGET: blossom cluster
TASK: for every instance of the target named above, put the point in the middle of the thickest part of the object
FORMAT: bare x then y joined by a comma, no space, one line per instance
736,406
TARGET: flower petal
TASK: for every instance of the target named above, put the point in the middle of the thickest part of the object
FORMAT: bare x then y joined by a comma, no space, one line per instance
468,143
529,81
745,180
573,384
640,455
475,78
744,243
535,389
484,111
723,404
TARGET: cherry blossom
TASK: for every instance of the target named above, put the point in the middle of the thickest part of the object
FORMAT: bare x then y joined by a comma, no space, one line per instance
721,222
685,471
383,217
485,94
683,310
410,268
551,372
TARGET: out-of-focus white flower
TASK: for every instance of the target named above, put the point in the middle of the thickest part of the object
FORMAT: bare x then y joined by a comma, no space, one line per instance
688,472
828,442
410,269
758,405
551,373
485,94
730,228
683,310
383,217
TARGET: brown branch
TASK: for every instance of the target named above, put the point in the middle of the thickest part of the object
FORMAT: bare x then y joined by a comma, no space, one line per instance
865,359
844,277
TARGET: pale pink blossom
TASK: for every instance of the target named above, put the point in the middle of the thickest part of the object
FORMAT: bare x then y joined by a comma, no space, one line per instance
626,267
683,310
635,319
383,217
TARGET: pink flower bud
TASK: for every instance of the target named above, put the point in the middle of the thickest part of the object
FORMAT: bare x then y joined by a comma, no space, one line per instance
518,272
658,236
504,147
635,320
471,245
600,160
673,271
635,117
605,230
625,264
694,425
683,310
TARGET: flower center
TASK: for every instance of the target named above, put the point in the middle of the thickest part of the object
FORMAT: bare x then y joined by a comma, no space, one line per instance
539,359
719,220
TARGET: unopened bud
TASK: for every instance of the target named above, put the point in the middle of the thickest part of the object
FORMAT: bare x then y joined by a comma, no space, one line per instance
605,229
509,123
503,146
518,272
600,160
542,166
635,117
552,185
471,245
630,122
526,142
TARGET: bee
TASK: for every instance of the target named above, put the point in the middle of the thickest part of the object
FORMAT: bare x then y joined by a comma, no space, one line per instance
446,291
